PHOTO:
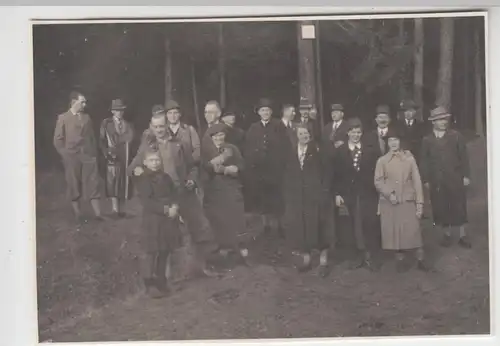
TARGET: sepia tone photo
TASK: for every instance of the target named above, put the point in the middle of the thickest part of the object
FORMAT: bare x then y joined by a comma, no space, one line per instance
258,178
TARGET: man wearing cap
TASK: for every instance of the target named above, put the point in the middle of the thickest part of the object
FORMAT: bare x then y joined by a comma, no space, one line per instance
335,133
444,167
377,137
75,141
115,136
265,148
178,145
411,129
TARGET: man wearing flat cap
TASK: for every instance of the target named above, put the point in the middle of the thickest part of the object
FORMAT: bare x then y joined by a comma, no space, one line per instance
444,167
335,133
377,137
266,143
115,136
178,145
412,130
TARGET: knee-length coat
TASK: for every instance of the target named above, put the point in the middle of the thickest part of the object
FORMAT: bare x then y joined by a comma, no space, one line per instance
223,199
305,193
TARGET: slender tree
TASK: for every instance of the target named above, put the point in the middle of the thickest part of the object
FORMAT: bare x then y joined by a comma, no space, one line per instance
418,73
478,81
222,65
444,84
168,70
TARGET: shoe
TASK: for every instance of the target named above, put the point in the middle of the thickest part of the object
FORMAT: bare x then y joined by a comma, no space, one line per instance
162,286
209,273
422,266
465,242
324,270
446,241
304,267
81,220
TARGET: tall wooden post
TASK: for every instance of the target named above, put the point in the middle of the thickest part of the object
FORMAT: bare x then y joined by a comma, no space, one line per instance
478,81
444,84
168,71
306,31
222,66
466,67
402,73
418,73
319,75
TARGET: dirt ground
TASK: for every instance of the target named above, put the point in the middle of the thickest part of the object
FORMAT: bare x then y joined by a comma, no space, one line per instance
89,287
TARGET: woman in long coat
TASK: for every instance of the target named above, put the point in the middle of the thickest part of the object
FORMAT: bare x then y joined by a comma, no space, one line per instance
397,180
223,199
304,195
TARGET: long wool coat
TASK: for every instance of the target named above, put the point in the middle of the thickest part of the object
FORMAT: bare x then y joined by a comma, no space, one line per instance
223,199
305,194
444,163
161,233
398,173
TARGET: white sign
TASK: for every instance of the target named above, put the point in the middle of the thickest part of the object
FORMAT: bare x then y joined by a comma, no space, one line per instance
308,32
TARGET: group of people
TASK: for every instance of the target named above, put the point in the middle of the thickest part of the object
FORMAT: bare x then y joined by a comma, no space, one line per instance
298,177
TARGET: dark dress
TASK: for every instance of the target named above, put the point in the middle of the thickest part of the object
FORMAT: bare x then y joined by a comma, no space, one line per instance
304,194
265,150
161,233
444,163
223,199
358,191
113,144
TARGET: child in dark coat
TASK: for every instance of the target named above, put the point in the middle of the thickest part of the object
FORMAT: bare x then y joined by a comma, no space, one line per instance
159,222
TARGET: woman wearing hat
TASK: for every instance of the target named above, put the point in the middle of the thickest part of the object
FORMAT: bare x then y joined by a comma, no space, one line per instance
223,200
266,143
397,180
444,166
116,134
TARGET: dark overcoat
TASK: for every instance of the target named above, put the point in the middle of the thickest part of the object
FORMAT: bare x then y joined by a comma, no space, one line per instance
329,137
412,136
305,194
444,163
160,233
265,154
379,144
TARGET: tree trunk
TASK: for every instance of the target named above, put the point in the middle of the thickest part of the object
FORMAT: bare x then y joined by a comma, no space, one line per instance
418,73
222,66
444,84
306,65
478,72
402,73
168,71
465,33
319,76
195,96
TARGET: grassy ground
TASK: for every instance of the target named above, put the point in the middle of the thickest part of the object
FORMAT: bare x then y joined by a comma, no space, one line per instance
89,288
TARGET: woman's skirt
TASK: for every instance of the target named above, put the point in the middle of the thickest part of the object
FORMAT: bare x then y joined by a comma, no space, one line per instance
400,226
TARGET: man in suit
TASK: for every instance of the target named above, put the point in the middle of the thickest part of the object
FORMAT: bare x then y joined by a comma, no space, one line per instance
234,134
308,118
287,118
334,134
376,138
411,129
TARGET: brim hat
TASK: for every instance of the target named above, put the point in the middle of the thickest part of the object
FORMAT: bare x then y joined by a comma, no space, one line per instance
228,112
408,104
353,123
439,113
393,132
216,128
117,105
336,107
383,109
263,102
171,104
158,109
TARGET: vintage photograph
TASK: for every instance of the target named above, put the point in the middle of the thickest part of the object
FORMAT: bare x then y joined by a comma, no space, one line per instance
249,178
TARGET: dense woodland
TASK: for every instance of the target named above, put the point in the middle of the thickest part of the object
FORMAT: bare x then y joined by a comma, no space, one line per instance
361,63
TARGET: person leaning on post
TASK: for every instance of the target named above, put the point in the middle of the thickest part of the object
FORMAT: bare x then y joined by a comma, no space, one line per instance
179,162
75,141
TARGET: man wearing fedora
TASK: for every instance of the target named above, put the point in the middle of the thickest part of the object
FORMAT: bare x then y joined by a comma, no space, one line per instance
377,137
234,134
334,134
444,167
266,144
75,141
412,130
308,118
178,145
115,136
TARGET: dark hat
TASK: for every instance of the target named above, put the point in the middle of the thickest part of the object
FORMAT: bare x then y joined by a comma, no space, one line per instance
439,113
304,103
171,104
263,102
216,128
383,109
353,123
408,104
228,112
158,109
117,104
393,132
337,107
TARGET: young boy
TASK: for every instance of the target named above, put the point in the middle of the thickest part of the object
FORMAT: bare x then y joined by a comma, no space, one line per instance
159,221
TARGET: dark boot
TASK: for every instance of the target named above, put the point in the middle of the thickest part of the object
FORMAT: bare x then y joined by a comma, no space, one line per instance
446,241
465,242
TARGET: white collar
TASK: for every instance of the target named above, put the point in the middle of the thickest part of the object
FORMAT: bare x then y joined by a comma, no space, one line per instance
439,133
352,145
174,126
383,131
285,121
337,123
264,122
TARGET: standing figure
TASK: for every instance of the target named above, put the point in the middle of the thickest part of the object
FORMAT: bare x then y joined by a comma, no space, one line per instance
308,118
234,134
266,143
335,133
75,141
353,188
115,137
304,193
180,161
377,137
223,199
444,166
160,223
287,119
412,130
397,180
